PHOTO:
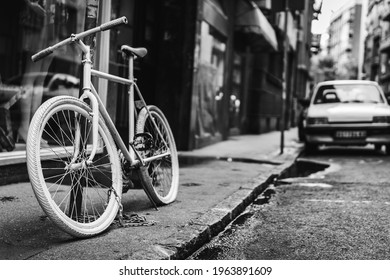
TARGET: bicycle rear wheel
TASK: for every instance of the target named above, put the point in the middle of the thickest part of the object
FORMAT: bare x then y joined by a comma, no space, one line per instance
81,200
160,176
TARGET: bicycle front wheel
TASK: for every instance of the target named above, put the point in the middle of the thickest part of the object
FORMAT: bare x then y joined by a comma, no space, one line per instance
80,198
161,176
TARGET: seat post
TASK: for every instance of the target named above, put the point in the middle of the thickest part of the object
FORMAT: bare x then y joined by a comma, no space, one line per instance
131,104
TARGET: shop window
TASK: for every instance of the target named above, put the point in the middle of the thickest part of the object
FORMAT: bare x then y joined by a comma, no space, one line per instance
384,64
210,82
24,85
235,97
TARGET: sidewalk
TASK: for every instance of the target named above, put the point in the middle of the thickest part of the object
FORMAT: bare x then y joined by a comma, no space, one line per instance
216,184
261,147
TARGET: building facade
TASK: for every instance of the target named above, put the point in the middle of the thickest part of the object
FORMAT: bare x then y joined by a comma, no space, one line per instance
384,45
373,40
344,44
377,44
213,66
307,45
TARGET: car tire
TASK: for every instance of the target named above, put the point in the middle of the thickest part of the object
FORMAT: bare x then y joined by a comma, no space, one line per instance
388,150
378,147
301,134
310,148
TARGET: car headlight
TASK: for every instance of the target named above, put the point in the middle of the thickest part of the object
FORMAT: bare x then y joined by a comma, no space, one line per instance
315,121
381,119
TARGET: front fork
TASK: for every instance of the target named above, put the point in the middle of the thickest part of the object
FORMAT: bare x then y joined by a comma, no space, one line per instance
87,94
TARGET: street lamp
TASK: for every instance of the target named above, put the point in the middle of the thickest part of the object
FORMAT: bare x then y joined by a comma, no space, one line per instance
284,77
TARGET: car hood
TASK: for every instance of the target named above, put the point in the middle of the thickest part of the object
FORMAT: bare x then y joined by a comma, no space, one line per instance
348,111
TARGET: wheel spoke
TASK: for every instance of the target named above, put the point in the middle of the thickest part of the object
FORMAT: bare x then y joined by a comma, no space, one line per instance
161,176
76,196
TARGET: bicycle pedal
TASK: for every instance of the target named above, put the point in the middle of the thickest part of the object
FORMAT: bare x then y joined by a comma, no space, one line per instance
6,141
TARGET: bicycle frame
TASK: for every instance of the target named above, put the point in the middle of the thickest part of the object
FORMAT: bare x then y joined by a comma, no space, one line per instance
98,108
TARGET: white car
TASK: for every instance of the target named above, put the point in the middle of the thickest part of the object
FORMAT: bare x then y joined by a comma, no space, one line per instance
347,112
53,84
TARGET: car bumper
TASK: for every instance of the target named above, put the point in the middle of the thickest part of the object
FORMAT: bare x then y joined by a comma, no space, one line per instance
353,134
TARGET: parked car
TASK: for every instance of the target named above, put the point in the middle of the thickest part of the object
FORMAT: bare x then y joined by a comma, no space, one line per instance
347,112
53,84
305,102
41,86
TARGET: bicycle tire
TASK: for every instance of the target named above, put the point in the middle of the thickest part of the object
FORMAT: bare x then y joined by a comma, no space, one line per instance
82,202
161,176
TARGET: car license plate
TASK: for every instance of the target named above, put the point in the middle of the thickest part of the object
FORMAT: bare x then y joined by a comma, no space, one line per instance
351,134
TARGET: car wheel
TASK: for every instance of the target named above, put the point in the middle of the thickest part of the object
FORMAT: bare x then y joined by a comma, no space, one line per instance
310,148
378,147
301,134
387,149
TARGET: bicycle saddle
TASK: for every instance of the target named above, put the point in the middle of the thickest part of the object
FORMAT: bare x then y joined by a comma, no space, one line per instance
139,52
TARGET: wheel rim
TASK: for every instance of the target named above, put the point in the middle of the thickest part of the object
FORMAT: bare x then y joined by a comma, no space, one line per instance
80,197
161,171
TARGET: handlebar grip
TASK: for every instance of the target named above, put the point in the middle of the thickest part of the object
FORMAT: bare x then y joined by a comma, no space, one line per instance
113,23
42,54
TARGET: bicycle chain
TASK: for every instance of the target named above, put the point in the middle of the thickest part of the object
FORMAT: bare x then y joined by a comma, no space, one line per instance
134,220
130,220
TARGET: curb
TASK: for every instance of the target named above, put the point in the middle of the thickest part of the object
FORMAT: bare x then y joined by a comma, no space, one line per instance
201,230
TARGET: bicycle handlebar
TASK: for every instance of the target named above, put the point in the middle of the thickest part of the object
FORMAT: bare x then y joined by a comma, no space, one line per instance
41,54
105,26
113,23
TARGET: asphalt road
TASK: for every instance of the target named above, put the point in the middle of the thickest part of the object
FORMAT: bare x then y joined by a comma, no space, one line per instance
339,213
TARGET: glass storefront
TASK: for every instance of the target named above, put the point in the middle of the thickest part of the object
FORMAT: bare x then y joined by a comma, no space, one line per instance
186,72
31,26
139,31
209,81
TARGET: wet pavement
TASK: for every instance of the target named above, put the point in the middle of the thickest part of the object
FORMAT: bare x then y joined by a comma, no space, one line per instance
331,206
217,183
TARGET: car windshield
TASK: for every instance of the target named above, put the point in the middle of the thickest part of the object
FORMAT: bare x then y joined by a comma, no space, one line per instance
354,93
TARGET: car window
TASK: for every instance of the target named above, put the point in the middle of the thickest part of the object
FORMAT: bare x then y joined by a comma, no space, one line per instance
35,78
348,94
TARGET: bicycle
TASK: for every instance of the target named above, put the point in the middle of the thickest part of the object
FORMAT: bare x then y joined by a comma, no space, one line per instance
76,159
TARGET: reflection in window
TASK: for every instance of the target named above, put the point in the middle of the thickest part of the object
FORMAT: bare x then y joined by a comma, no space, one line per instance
24,85
210,79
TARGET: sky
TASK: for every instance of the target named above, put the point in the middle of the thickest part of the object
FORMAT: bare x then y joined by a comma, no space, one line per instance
320,26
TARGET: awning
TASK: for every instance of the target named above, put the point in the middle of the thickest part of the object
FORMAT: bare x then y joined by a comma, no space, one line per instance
292,33
250,20
214,15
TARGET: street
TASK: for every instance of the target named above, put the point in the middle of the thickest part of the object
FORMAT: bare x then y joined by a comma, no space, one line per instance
341,212
329,205
207,115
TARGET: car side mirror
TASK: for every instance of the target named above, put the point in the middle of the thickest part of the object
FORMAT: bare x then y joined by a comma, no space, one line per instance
305,102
